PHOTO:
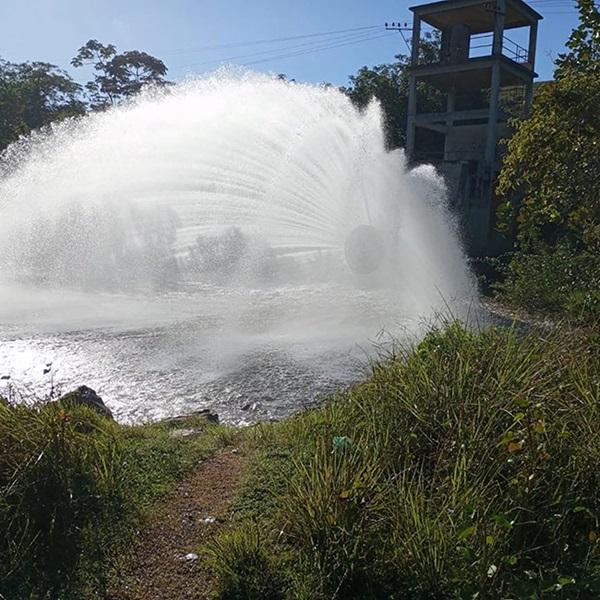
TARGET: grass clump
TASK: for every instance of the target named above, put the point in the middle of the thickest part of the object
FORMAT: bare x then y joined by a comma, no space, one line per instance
468,468
244,566
74,487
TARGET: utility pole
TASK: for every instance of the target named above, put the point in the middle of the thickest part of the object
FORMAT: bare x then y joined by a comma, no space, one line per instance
400,28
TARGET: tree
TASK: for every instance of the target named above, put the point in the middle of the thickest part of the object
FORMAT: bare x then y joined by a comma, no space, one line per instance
118,76
553,158
389,84
34,94
584,44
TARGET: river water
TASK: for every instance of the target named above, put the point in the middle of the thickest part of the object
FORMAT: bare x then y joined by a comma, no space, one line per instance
248,354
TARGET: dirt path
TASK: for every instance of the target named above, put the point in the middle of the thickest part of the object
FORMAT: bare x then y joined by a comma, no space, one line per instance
190,516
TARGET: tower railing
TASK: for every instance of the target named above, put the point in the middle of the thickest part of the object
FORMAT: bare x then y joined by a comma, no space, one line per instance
481,45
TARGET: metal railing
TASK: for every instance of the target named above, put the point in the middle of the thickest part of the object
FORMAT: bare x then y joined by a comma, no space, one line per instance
481,45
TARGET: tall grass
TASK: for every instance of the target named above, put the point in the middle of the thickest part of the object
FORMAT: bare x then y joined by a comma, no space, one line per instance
469,469
74,487
61,473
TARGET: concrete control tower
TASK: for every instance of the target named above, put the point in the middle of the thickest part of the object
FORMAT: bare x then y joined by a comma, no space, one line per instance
486,78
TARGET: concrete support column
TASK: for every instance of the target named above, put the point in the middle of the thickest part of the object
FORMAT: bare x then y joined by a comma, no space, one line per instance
492,126
533,29
499,14
412,88
450,105
450,108
416,40
531,62
412,111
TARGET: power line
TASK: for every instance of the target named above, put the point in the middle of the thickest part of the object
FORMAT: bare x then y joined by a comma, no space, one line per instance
400,29
544,7
553,2
272,40
336,39
318,49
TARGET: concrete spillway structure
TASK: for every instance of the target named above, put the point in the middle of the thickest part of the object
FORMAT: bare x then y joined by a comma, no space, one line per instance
477,61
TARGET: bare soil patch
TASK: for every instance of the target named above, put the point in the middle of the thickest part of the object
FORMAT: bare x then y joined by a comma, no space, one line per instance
160,565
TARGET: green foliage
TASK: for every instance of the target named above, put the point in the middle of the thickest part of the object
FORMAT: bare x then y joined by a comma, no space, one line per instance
32,95
35,94
583,44
470,472
554,156
73,489
560,281
333,503
388,83
552,160
118,76
548,186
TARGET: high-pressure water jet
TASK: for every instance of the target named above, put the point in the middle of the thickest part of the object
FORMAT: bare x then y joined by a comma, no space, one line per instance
364,249
209,245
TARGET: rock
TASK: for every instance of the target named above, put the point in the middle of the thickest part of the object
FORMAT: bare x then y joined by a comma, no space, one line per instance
190,557
211,417
178,433
204,413
86,396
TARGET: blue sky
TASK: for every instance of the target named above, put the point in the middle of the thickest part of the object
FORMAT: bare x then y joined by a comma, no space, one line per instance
178,31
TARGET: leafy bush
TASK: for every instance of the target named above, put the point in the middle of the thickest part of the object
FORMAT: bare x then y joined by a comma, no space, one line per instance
548,185
553,158
559,281
469,466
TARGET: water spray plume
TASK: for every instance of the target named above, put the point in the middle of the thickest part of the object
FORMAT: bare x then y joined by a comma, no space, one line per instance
265,216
